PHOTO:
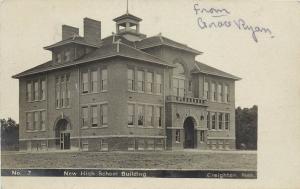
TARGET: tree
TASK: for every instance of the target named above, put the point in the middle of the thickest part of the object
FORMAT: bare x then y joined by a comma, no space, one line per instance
9,134
246,128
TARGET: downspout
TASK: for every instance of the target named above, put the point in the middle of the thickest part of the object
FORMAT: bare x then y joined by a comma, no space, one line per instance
164,101
47,111
79,108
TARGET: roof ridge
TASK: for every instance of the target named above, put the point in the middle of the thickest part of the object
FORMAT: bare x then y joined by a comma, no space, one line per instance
219,70
144,52
174,41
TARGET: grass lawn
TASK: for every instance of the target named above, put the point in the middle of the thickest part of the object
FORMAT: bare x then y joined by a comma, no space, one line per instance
201,160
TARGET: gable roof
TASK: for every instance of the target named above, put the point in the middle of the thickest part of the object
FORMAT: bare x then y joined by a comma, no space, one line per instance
106,51
203,68
127,15
161,40
75,39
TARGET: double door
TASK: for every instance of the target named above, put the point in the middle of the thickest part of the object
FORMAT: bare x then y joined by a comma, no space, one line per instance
64,140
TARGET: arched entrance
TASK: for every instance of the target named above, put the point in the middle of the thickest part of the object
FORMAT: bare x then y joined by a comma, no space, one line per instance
189,133
62,134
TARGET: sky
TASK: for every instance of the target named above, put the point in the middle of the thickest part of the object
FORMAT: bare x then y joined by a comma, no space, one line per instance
269,67
28,26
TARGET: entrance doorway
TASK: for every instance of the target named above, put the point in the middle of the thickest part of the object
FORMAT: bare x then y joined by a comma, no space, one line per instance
64,140
62,134
189,133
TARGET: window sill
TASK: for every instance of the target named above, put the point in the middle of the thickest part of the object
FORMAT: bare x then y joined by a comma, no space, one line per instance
33,101
218,102
143,92
146,127
98,127
218,130
63,108
35,131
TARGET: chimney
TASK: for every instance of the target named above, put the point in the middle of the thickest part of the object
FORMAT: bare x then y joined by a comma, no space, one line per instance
69,31
92,31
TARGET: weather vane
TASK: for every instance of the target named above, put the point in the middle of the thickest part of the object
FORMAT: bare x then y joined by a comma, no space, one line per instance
127,7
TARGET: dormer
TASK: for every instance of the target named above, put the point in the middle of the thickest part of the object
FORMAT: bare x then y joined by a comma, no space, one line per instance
128,26
72,46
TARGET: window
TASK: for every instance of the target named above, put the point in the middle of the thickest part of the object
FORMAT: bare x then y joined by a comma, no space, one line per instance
28,121
149,116
219,93
159,144
140,115
104,114
190,85
85,82
227,121
57,80
36,121
103,79
68,77
29,91
90,80
149,82
85,145
213,121
178,80
57,101
220,121
150,144
130,114
226,93
67,56
62,92
178,87
201,136
43,120
43,145
208,120
177,135
206,94
130,77
103,145
68,95
213,92
141,81
94,80
58,58
43,89
94,112
158,116
131,145
141,144
85,116
158,83
36,90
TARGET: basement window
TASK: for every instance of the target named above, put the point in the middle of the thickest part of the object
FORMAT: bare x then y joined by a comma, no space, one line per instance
103,145
177,136
85,145
131,145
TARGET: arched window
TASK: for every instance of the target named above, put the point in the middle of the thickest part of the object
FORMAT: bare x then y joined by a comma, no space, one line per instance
178,80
